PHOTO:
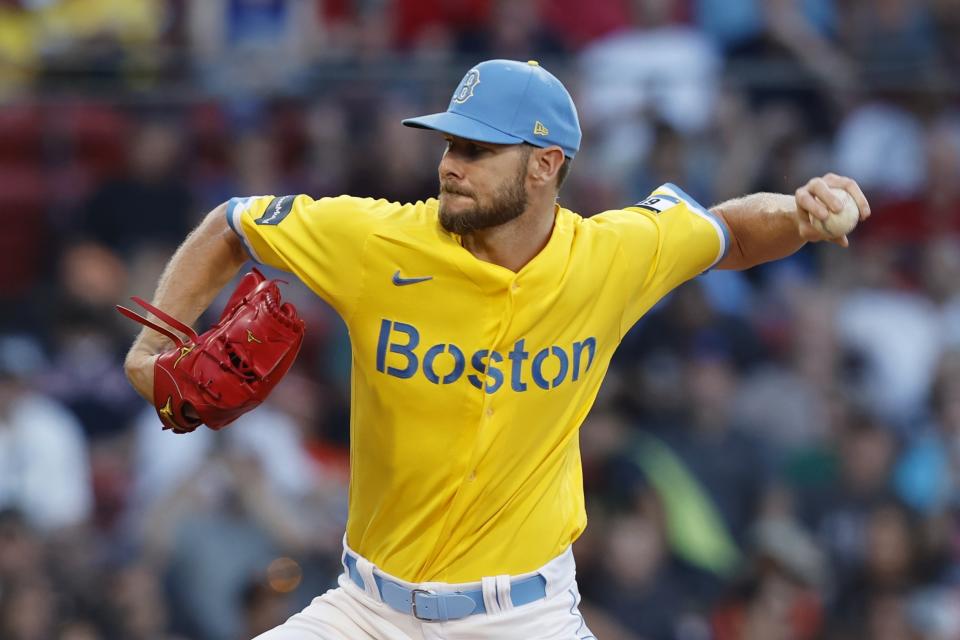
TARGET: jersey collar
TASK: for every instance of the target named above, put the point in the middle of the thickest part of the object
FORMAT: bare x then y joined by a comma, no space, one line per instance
545,269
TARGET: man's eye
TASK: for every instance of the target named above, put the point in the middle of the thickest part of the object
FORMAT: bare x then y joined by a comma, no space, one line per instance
469,150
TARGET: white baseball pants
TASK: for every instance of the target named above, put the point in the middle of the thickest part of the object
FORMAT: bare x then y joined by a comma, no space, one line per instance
351,613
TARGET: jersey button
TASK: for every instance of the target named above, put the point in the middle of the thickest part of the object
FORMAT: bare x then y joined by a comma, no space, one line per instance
489,411
472,476
515,286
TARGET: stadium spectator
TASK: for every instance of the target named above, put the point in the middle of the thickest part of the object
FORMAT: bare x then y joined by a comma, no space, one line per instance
44,466
153,185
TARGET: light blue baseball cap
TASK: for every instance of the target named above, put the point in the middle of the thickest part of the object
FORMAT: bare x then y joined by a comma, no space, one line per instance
509,102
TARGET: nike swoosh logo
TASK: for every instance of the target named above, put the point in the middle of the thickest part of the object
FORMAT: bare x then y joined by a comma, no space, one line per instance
402,282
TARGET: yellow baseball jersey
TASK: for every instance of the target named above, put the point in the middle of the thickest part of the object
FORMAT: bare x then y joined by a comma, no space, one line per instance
470,381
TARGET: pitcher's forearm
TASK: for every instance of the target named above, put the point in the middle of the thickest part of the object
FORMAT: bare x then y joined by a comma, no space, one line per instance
206,261
763,227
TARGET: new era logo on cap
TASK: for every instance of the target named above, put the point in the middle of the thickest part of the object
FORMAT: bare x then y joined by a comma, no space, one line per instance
509,102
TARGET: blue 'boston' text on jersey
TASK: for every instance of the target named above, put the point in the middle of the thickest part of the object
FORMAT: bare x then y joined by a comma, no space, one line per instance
403,339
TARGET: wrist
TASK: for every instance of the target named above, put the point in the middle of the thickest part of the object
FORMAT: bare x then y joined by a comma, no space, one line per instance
138,367
150,343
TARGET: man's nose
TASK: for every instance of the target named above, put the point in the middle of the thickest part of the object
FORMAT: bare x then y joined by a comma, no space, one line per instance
450,167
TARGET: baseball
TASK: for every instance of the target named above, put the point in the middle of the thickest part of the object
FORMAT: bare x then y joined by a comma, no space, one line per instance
842,223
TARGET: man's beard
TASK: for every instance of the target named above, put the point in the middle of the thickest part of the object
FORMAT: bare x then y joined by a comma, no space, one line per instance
508,203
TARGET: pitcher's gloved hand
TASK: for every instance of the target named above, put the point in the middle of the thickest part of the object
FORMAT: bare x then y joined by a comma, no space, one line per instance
216,377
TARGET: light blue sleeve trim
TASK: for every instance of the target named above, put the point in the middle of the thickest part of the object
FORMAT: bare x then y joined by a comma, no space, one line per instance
231,205
235,208
699,209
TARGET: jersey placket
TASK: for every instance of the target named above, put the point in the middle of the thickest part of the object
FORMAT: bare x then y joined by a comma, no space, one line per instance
491,283
487,409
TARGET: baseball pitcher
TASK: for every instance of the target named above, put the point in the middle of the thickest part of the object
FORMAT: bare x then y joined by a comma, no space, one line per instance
482,322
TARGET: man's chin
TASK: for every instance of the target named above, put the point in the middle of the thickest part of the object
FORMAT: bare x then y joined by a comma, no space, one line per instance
456,206
457,219
454,222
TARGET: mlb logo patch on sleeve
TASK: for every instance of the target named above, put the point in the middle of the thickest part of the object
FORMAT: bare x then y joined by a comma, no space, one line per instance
277,210
658,203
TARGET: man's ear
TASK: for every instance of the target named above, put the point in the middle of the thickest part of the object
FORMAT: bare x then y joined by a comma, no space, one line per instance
544,165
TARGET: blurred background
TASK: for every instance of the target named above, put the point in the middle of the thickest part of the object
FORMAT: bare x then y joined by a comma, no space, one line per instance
775,454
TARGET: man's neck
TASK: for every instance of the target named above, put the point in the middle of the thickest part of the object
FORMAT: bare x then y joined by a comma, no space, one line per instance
515,243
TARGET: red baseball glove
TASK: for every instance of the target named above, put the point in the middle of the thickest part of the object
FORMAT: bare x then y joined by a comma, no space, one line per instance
229,369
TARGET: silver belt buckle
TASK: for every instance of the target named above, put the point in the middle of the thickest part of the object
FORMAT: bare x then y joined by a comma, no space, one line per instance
413,602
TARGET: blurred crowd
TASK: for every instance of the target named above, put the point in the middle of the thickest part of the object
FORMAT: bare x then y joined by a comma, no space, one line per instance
775,454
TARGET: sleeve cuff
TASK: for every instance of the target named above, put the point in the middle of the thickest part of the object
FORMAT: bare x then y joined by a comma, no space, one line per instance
670,189
235,209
